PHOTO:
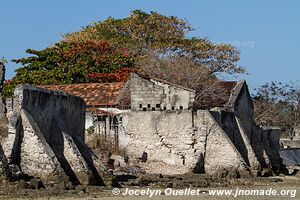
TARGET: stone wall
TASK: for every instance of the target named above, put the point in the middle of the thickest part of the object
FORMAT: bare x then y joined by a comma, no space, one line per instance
186,141
220,152
269,138
199,141
234,129
154,95
290,143
3,164
160,137
48,105
46,137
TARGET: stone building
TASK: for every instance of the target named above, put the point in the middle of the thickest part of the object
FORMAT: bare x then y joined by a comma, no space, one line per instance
46,138
155,122
107,101
42,136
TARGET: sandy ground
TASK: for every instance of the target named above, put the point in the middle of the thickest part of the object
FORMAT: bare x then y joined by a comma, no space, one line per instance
288,183
164,197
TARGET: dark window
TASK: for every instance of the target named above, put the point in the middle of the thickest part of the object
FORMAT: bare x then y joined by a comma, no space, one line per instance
181,107
157,105
165,108
141,105
144,109
149,105
172,107
153,109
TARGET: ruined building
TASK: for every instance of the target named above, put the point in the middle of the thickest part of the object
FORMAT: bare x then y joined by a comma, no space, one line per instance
154,122
43,137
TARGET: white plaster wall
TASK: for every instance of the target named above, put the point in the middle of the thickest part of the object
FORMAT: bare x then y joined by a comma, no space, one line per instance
175,96
179,138
166,137
36,160
220,152
89,121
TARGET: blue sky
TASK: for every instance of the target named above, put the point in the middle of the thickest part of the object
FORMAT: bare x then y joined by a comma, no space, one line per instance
266,32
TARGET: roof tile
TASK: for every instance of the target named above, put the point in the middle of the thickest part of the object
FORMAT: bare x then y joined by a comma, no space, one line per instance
94,94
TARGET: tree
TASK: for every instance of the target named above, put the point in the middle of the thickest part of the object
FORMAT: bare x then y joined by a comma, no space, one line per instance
166,36
183,71
108,50
277,104
71,62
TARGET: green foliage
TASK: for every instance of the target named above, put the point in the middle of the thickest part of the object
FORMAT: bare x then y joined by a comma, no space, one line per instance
143,32
109,46
68,62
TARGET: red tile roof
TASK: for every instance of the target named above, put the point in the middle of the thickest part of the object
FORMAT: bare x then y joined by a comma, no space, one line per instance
97,112
98,95
94,94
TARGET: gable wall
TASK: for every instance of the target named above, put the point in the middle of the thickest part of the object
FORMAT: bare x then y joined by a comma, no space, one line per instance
151,95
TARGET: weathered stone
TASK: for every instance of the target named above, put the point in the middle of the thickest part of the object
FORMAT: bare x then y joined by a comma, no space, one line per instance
155,95
70,186
201,142
46,138
173,138
266,172
118,161
36,183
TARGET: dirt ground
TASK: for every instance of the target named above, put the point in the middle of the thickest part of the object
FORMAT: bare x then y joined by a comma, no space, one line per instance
202,183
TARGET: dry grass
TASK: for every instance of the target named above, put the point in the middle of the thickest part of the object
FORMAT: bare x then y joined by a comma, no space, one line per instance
102,143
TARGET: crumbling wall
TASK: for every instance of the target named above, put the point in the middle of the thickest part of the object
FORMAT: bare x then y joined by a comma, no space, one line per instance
48,105
234,129
159,137
290,143
153,95
269,138
36,156
220,152
46,137
261,149
191,142
3,164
